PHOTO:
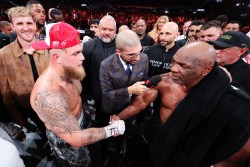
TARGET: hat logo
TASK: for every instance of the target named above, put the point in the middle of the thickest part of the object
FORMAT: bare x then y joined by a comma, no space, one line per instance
55,43
63,43
227,37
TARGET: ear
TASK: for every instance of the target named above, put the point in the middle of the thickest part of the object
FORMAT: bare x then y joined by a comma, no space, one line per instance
117,52
56,58
243,50
206,70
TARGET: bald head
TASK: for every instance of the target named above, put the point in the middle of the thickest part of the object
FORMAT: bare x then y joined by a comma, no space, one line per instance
122,28
141,28
171,26
192,63
201,52
168,33
127,39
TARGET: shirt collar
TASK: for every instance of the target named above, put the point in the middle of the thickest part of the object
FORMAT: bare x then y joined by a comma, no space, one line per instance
18,52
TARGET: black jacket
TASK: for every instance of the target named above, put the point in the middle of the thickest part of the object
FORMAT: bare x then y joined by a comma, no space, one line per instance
210,124
240,72
95,51
4,40
159,59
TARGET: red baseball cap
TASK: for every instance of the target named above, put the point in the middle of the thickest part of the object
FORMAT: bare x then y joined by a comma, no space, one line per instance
58,36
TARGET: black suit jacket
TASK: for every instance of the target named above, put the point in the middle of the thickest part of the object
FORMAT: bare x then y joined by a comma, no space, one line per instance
4,40
95,51
240,72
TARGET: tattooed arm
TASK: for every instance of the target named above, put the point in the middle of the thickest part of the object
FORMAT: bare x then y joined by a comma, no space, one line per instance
53,110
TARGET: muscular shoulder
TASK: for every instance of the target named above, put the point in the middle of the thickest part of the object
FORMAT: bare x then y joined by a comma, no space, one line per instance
166,81
166,77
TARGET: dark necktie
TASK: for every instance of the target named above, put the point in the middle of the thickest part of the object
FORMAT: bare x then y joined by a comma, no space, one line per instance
128,70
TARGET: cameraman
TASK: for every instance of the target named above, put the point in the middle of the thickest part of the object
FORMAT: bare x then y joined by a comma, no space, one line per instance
93,30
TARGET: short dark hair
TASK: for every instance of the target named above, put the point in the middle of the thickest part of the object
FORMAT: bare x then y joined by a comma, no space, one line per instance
222,18
197,23
235,22
31,2
213,23
54,12
94,21
4,23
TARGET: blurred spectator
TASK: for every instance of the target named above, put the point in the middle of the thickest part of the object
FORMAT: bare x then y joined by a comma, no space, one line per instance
122,28
157,27
223,19
93,30
210,31
184,30
193,33
5,27
56,16
39,16
232,26
4,38
145,39
133,26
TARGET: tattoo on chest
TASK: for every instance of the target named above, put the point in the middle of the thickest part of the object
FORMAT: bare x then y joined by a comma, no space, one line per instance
53,108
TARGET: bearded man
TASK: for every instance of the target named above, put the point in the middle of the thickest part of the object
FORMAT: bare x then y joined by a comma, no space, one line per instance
56,99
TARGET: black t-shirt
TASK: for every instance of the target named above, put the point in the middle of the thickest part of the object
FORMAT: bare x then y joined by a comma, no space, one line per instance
147,41
159,59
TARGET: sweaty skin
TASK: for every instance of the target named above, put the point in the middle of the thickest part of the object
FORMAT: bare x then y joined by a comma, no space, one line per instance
189,66
171,96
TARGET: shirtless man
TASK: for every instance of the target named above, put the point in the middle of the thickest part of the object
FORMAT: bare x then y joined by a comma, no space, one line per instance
56,98
196,114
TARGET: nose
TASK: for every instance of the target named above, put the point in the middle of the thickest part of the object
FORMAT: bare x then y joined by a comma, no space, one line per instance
173,67
25,27
137,58
107,32
82,57
217,51
206,39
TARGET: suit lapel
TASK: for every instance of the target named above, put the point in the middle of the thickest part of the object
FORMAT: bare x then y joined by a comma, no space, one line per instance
119,72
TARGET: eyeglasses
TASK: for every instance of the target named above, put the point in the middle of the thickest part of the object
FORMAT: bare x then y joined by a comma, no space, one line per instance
132,55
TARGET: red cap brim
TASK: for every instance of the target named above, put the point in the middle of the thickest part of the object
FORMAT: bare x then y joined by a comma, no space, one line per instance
40,45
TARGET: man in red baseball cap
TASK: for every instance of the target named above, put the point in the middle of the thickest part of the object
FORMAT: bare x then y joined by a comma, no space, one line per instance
56,98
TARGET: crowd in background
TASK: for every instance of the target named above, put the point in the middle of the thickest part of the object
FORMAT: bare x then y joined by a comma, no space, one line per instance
80,18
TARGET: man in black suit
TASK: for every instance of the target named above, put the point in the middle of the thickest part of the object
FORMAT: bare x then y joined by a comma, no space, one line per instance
4,40
6,29
230,47
95,51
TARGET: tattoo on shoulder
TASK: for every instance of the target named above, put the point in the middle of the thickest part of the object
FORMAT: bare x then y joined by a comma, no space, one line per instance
53,107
